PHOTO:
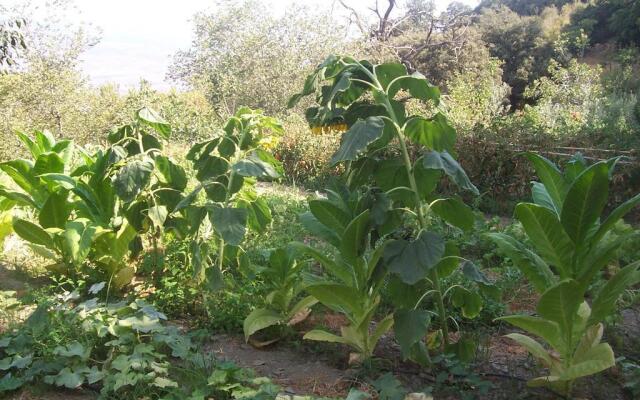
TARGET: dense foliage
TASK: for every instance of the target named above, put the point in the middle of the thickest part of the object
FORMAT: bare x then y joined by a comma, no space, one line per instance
178,213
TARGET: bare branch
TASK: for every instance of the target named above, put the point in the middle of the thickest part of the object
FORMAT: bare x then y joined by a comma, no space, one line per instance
355,17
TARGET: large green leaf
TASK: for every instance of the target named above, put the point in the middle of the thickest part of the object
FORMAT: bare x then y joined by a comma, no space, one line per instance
132,179
154,120
418,87
545,329
597,359
411,261
434,133
454,212
210,167
170,173
258,214
19,198
47,163
32,233
532,347
55,211
158,215
548,236
445,162
410,326
355,236
255,166
340,298
259,319
560,304
327,263
33,147
541,197
532,266
615,216
387,72
551,177
318,229
604,303
330,215
585,201
45,140
78,238
230,223
357,138
469,302
324,336
21,171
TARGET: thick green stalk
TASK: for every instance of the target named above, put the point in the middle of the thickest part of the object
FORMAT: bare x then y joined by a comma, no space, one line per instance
433,275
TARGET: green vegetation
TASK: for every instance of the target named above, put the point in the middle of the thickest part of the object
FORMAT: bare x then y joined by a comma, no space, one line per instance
343,209
568,232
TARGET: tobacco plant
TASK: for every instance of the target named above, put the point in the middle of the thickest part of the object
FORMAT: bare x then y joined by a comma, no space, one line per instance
284,277
405,157
227,168
355,271
97,207
572,242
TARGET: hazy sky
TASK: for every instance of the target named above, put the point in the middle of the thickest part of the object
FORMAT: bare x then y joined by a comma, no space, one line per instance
140,36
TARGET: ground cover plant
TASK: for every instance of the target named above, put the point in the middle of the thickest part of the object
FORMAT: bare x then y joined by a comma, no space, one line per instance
123,349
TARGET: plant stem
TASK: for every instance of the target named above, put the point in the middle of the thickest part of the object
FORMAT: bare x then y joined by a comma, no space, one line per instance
442,312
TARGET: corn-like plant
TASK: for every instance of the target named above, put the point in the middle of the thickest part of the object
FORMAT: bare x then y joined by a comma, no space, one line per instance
573,241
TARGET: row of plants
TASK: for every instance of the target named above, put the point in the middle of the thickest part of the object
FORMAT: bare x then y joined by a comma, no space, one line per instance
378,226
99,215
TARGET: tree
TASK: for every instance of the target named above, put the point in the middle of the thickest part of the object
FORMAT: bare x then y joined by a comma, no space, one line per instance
525,7
520,42
605,20
414,33
244,55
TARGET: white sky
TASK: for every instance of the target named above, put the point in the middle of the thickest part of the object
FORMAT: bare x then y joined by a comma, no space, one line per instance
139,37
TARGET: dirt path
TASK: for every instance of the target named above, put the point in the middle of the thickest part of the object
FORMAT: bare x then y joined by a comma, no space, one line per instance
295,371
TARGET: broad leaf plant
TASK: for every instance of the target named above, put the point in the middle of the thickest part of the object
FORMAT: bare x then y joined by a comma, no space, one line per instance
572,242
227,167
405,157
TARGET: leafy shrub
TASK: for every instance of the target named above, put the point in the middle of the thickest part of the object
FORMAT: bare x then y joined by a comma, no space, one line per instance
227,168
393,164
476,98
355,269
